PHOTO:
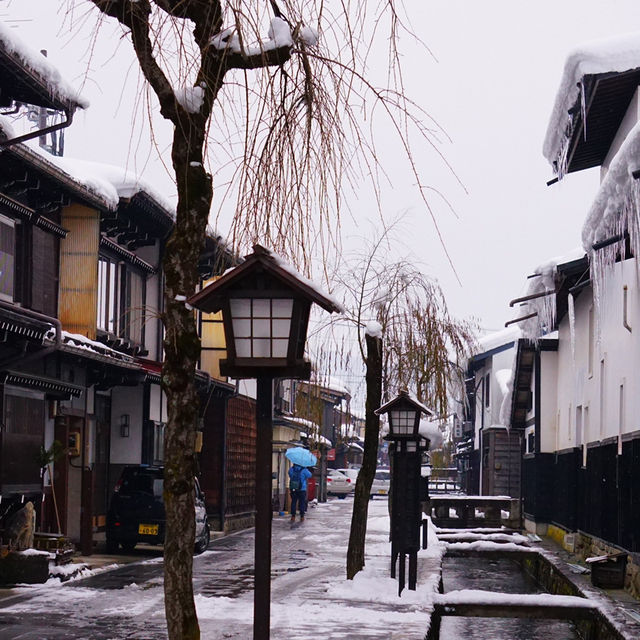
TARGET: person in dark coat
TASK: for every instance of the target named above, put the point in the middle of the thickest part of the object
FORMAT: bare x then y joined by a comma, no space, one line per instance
298,477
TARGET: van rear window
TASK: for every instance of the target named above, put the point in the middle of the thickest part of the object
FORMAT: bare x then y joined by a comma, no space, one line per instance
142,482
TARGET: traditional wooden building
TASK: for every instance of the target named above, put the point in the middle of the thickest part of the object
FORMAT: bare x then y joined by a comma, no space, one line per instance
580,466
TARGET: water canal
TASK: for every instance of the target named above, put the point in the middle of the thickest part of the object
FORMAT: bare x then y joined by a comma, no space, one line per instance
502,576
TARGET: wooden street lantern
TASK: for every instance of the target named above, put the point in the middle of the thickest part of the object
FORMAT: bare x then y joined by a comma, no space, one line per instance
403,413
265,311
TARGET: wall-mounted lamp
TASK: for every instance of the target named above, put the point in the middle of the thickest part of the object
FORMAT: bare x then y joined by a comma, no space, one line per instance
124,425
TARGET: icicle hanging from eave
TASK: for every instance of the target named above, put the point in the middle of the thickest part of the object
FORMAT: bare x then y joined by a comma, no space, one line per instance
625,220
572,327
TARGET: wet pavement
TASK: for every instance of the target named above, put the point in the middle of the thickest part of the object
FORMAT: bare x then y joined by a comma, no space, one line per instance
310,597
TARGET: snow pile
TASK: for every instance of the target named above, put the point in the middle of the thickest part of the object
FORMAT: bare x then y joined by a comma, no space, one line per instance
6,125
543,286
308,36
190,98
373,329
431,429
229,40
477,596
40,66
617,54
505,379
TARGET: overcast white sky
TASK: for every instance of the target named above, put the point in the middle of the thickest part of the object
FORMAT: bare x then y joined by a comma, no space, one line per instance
492,88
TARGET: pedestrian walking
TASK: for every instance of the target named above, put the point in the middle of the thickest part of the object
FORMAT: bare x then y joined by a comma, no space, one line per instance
298,477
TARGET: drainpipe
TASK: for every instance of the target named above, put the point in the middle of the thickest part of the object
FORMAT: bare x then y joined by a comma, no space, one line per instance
38,354
39,132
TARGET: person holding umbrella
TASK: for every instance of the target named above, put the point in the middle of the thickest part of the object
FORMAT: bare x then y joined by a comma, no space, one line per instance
298,476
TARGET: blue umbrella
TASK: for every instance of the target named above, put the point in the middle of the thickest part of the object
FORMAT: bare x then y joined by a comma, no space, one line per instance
301,456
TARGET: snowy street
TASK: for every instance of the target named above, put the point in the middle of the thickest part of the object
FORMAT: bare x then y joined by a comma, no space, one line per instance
310,596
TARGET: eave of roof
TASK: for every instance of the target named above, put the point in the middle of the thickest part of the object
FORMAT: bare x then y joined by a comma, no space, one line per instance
607,98
28,84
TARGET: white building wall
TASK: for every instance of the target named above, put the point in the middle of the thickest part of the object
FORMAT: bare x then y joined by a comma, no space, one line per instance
548,400
127,400
589,396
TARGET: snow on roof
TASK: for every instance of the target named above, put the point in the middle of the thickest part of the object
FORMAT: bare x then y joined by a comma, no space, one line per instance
40,66
544,305
618,54
616,203
497,339
333,384
108,182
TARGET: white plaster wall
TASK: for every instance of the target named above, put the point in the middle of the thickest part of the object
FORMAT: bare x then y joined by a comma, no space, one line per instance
615,353
500,360
126,400
548,399
157,403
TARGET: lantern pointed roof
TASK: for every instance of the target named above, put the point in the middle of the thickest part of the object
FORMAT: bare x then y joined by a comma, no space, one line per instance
210,298
402,399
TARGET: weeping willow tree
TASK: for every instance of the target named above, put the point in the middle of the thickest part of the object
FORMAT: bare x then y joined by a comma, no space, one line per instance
274,93
407,339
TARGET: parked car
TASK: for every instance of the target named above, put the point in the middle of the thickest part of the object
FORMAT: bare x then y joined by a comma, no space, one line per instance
136,513
381,483
338,484
351,473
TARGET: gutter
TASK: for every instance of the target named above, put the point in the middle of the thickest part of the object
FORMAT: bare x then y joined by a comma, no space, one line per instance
38,354
39,132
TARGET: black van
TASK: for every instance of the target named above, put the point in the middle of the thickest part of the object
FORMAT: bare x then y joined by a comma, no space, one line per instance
136,513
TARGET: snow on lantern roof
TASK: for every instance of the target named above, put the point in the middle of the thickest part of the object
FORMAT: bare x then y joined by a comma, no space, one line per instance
611,55
43,75
208,299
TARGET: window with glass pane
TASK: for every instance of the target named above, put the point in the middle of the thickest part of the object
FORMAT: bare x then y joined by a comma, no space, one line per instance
261,326
7,258
107,295
134,313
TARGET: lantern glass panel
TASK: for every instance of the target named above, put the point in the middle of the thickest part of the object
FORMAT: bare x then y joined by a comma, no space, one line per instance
240,307
261,326
402,422
241,328
243,347
412,447
261,348
281,328
262,308
280,348
282,308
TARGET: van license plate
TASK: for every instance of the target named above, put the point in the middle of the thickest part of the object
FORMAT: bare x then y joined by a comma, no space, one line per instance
382,491
148,529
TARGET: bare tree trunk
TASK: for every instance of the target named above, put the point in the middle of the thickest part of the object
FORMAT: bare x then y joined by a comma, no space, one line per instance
357,535
182,350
